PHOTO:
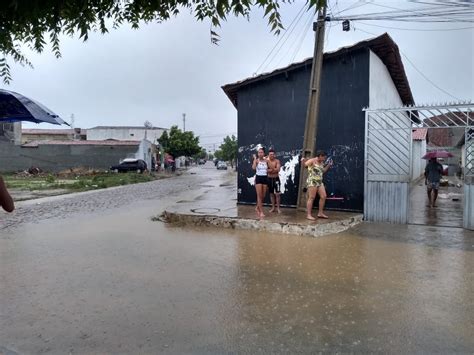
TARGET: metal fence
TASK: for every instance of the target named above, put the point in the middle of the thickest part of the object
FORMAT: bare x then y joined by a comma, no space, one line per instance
388,165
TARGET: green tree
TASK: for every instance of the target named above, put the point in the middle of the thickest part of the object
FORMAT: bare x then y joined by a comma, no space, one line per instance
219,155
201,155
179,143
36,23
229,149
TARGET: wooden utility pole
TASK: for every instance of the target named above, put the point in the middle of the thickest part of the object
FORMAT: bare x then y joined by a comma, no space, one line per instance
311,126
184,122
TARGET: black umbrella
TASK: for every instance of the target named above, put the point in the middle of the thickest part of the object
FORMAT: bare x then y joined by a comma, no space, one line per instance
15,107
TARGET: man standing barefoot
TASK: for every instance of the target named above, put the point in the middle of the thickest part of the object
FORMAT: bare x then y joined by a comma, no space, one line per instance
274,166
433,172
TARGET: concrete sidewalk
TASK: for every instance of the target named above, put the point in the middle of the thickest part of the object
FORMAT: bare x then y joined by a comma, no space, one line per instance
215,204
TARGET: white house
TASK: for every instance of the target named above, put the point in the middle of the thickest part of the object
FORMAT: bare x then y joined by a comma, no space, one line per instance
125,133
418,150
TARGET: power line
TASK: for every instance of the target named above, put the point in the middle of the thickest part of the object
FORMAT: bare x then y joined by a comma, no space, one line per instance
413,11
284,41
428,79
352,7
301,33
416,29
300,44
415,67
281,38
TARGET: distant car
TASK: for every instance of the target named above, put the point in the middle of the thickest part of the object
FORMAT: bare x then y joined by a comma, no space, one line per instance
127,165
201,162
222,165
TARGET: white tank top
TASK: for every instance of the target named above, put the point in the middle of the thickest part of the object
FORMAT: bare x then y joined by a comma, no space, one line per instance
262,168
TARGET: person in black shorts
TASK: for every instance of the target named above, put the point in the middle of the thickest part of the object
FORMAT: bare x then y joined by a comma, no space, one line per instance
274,166
260,165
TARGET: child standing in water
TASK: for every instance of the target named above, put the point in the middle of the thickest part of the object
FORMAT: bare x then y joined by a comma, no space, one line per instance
314,183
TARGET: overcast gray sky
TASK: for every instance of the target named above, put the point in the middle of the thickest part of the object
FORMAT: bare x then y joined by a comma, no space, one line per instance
162,70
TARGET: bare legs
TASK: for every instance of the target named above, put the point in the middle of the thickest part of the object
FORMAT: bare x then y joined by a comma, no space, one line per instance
261,191
275,199
309,203
432,197
312,191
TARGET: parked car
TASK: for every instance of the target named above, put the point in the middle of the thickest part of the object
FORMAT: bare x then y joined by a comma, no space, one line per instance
127,165
201,161
222,165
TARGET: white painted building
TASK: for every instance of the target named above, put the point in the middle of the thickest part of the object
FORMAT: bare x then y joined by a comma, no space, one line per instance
10,132
418,151
125,133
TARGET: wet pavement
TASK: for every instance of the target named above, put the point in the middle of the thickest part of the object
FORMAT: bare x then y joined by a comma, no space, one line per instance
113,281
449,210
216,206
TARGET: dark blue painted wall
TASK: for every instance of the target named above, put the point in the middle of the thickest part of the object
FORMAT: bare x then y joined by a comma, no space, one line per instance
272,112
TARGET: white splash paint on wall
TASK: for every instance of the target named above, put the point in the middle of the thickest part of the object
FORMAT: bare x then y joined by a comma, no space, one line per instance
288,172
251,180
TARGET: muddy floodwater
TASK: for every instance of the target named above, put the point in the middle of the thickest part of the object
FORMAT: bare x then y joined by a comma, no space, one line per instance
111,281
123,284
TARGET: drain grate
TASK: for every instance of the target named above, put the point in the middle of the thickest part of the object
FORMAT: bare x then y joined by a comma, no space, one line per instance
205,210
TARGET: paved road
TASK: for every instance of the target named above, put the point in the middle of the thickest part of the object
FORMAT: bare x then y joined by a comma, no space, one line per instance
66,206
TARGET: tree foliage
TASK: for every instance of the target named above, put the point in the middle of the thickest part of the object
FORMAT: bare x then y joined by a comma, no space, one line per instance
218,155
35,23
229,149
179,143
201,155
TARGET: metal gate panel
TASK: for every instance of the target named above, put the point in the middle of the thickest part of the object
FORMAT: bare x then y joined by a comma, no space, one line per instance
468,217
388,155
387,166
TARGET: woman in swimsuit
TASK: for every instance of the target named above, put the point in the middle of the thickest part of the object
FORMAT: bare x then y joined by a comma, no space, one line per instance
314,182
260,165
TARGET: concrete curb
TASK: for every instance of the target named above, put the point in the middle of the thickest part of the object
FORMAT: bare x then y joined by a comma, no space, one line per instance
313,230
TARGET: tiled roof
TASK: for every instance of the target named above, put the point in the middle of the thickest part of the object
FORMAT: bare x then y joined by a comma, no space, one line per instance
383,46
127,127
111,143
51,132
420,134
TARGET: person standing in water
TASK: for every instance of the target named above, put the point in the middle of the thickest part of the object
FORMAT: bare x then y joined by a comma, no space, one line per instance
274,166
260,165
6,200
314,183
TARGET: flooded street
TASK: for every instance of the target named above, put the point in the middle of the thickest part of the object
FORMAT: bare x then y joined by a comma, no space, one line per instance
116,282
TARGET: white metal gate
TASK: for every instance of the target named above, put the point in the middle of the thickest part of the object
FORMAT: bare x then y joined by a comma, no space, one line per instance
388,165
468,218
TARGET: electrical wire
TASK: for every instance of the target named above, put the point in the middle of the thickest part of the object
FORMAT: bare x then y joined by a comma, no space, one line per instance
281,38
302,33
416,68
416,29
305,34
428,79
421,14
352,7
284,42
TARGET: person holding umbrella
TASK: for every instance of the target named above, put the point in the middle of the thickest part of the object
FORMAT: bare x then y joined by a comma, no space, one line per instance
15,107
6,200
433,173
